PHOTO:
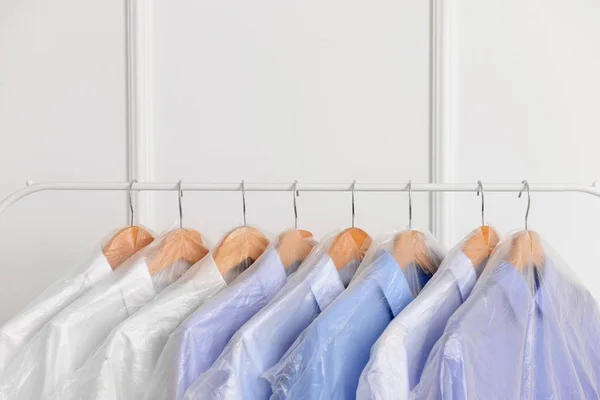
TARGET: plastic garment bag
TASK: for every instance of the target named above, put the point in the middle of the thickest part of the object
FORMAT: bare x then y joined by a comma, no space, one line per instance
70,337
399,356
528,330
326,360
197,342
261,342
17,331
122,367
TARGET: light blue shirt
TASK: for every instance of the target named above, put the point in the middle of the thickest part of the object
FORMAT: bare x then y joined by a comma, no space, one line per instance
518,336
325,362
399,356
261,342
196,344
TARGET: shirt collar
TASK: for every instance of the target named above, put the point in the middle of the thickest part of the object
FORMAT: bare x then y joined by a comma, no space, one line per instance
136,284
268,268
522,291
98,267
391,280
465,276
325,281
205,272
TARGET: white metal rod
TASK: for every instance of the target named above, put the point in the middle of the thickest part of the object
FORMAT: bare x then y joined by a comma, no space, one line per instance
301,187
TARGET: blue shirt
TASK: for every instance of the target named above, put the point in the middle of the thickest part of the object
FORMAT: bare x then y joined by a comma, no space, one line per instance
196,344
398,357
261,342
325,362
518,336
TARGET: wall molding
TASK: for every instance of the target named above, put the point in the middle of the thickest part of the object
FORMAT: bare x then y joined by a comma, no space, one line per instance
140,102
444,15
444,20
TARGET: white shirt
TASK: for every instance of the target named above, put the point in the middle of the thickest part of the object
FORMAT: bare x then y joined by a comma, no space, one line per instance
263,340
68,339
123,365
399,355
15,333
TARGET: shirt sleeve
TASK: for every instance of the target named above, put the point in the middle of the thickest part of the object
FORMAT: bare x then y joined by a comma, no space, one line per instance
386,374
444,375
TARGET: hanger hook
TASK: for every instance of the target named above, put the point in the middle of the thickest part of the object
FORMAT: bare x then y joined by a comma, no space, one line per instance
526,187
295,193
244,200
480,189
409,186
180,192
131,202
352,190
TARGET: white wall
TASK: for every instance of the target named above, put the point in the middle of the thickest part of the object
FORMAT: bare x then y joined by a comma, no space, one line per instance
527,95
62,117
276,91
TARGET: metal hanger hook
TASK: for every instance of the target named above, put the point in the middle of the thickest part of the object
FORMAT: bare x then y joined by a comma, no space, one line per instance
526,187
295,193
480,189
409,186
180,192
131,202
352,190
244,200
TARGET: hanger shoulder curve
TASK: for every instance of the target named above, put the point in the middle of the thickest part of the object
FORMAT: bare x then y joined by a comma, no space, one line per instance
410,247
179,244
294,245
526,250
241,245
480,245
350,244
125,244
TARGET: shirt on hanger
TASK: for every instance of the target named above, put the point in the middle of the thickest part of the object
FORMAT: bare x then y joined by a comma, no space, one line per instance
195,345
399,355
121,368
68,339
17,331
325,362
514,341
261,342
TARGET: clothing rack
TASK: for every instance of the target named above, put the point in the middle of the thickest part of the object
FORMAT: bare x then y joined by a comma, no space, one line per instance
32,187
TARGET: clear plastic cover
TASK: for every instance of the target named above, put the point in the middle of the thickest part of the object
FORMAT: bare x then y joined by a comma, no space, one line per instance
122,367
399,355
193,347
65,342
528,330
263,340
327,358
17,331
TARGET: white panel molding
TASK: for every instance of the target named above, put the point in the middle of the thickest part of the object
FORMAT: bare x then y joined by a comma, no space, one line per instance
444,15
140,121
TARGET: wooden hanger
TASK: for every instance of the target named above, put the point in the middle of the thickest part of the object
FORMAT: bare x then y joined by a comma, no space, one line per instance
480,245
350,244
242,245
526,247
526,250
177,245
125,244
127,241
483,240
410,247
294,244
